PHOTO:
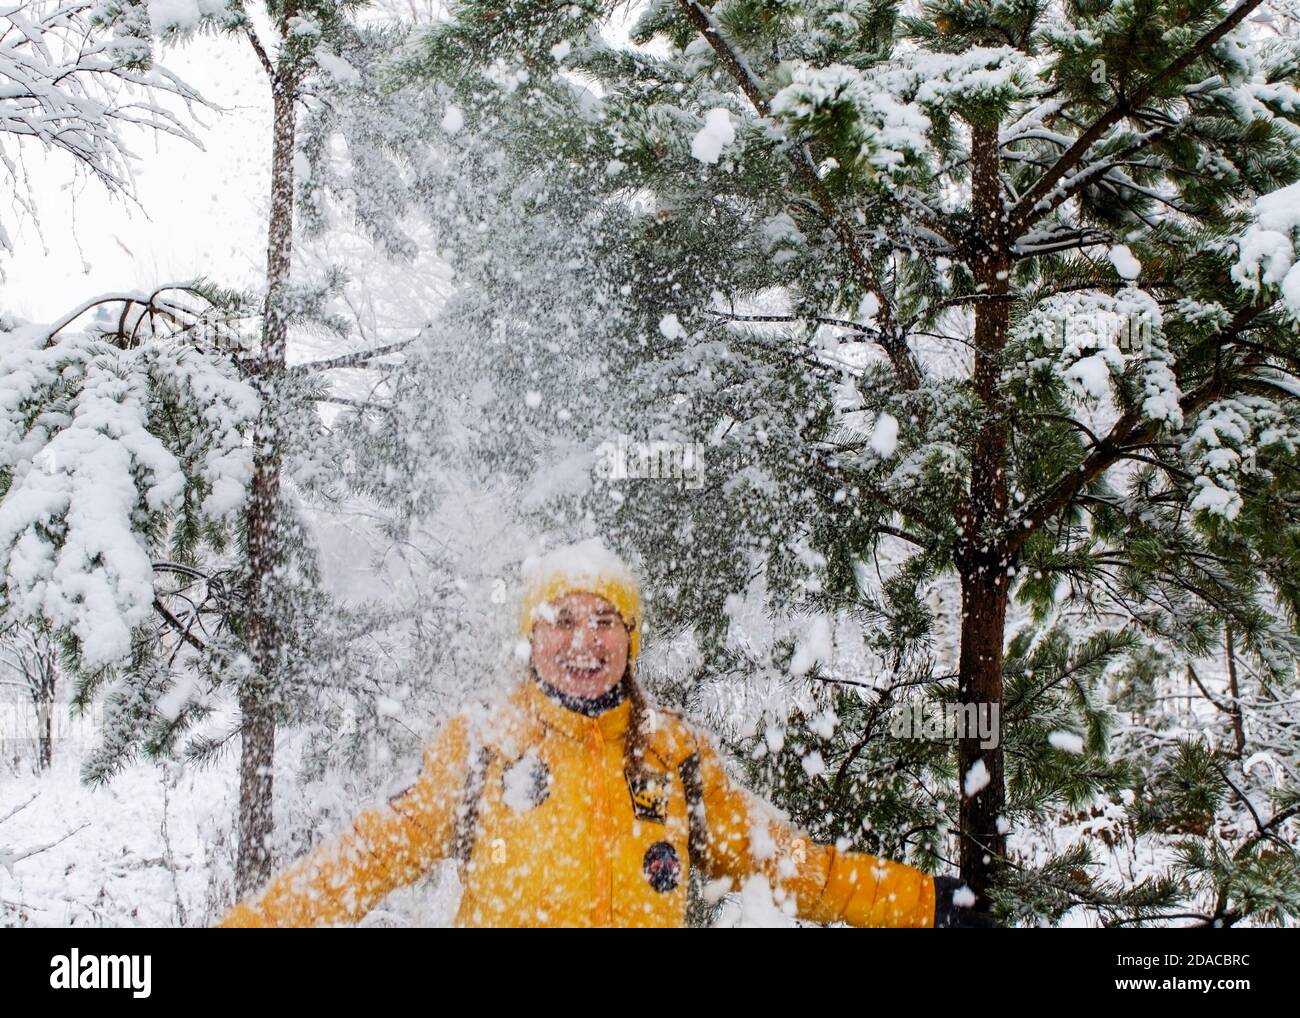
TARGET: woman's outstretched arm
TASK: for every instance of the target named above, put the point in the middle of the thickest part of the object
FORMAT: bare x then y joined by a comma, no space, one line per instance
386,847
745,837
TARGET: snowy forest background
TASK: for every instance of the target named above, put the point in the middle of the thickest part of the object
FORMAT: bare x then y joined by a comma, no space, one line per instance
977,325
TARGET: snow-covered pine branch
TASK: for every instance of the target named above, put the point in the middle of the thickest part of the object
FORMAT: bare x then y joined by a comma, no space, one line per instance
111,436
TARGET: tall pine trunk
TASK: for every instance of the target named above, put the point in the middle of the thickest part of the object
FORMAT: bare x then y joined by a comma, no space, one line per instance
257,693
981,555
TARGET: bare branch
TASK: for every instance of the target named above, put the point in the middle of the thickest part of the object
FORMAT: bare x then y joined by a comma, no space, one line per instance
350,360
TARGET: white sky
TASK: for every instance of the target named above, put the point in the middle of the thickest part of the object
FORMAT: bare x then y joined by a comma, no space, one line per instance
199,211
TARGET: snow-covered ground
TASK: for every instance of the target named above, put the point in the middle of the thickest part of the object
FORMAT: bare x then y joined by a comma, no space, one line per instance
154,846
135,852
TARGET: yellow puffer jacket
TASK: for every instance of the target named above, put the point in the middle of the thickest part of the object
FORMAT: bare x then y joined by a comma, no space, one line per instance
563,838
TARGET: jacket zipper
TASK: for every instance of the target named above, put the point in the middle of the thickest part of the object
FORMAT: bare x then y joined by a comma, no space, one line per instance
602,874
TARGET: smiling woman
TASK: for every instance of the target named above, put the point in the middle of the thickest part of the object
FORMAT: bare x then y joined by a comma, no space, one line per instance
574,802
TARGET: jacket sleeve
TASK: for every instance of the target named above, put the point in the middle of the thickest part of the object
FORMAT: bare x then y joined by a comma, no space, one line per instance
387,846
745,836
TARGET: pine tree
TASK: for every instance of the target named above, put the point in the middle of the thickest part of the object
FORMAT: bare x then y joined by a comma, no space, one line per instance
122,467
288,56
1008,284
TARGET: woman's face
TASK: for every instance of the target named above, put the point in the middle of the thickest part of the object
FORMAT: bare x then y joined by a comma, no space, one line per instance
580,644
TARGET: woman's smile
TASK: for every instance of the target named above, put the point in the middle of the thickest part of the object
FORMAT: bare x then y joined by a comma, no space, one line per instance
585,666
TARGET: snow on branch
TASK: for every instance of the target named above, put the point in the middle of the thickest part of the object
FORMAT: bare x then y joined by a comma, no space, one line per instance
102,442
74,76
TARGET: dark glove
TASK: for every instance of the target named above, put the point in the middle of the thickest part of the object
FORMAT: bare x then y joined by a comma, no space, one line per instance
949,915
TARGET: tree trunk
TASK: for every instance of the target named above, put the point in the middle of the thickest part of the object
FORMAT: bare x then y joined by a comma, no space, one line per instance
256,773
257,697
982,516
44,735
1238,731
984,613
42,680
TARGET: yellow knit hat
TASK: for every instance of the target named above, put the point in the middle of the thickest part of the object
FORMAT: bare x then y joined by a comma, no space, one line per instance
585,567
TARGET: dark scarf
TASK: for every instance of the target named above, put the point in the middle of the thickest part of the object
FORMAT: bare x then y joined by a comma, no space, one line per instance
590,706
